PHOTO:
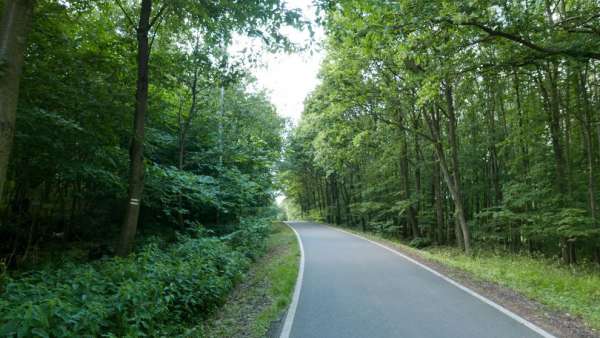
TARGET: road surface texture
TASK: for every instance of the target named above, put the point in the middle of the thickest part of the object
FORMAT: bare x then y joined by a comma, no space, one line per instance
354,288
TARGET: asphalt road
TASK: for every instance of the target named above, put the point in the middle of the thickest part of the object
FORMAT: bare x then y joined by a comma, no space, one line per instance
354,288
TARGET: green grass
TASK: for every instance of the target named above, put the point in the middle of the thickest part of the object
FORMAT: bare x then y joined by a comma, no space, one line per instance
575,290
265,293
570,289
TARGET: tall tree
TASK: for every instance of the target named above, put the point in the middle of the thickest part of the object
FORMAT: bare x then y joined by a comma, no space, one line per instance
136,150
14,28
219,19
500,93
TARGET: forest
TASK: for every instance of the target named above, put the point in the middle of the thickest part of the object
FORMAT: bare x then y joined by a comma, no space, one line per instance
127,126
141,159
467,123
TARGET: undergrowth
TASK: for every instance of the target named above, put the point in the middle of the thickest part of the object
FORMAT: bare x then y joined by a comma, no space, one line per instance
263,297
154,292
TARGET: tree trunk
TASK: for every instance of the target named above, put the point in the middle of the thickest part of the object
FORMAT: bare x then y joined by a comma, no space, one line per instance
319,194
522,128
598,137
346,203
457,194
439,207
459,216
419,160
181,154
324,199
338,212
494,163
587,137
410,212
549,91
14,28
220,139
184,126
136,151
411,217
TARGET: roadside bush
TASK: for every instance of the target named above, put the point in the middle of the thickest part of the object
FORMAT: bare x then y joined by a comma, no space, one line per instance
249,237
153,292
420,242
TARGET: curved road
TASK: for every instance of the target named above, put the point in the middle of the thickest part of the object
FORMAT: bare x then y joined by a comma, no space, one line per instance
354,288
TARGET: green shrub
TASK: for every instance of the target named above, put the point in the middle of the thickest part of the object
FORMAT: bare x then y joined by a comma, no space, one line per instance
420,242
250,237
154,291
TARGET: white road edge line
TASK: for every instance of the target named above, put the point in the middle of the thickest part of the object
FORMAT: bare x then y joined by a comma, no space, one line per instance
491,303
291,313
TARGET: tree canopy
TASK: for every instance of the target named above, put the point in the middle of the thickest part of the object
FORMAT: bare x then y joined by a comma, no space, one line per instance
204,140
454,122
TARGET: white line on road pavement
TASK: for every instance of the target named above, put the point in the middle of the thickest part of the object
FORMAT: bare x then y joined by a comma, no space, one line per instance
291,313
498,307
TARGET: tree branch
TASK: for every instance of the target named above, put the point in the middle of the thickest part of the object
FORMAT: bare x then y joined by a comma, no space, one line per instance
133,25
399,125
158,15
527,43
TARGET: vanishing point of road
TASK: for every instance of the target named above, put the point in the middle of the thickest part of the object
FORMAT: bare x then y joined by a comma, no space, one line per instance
351,287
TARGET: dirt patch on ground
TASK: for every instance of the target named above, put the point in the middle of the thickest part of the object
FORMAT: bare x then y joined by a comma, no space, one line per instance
558,323
250,298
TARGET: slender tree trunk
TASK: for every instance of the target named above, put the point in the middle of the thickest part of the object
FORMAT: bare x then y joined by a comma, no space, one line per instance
338,207
352,199
184,126
220,140
437,191
522,129
136,151
320,204
181,155
598,134
587,137
324,197
449,227
418,192
549,90
330,200
494,163
590,173
459,216
598,137
346,202
458,201
411,217
567,142
410,212
14,28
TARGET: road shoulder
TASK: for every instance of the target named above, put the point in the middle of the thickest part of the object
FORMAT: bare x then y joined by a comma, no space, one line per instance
257,306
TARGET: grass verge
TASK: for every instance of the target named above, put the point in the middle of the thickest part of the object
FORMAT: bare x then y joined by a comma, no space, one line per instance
264,294
570,289
574,290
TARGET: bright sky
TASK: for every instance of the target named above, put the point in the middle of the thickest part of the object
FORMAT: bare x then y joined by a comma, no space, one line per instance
288,78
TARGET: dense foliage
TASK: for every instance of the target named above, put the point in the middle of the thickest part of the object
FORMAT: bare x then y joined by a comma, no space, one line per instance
162,290
210,141
456,122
